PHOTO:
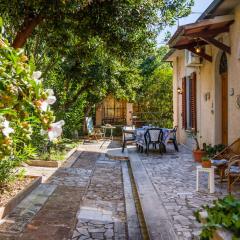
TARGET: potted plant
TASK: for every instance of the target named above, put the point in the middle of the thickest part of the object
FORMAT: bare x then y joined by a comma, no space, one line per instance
213,150
206,162
197,152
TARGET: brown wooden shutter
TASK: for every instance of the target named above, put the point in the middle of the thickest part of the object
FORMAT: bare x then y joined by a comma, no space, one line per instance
184,102
193,100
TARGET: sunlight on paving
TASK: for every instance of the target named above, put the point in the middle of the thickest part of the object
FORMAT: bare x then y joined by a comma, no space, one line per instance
97,214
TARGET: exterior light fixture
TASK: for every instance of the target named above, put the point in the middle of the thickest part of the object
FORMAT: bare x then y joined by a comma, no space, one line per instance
198,48
179,90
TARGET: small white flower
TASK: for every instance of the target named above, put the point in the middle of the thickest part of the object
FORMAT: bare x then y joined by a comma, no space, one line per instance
44,106
6,129
51,100
49,92
36,76
55,130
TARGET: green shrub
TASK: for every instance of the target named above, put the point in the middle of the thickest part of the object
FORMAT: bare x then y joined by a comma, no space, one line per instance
225,213
23,107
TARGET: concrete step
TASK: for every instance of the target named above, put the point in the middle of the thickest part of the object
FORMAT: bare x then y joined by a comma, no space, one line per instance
133,225
117,154
157,220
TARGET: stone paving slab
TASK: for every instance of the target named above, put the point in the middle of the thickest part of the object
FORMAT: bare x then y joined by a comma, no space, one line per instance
55,221
45,172
70,177
26,210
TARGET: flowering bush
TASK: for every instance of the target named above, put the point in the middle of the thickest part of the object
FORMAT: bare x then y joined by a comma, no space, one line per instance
23,104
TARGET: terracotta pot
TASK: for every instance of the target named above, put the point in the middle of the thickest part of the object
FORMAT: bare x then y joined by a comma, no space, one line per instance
198,154
206,164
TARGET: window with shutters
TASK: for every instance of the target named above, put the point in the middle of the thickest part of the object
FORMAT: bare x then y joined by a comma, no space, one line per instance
189,104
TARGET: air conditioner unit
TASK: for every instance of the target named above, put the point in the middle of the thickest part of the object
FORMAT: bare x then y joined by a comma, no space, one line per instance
192,60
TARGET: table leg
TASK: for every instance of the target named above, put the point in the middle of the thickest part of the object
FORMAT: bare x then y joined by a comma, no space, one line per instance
209,180
212,183
111,134
197,179
104,133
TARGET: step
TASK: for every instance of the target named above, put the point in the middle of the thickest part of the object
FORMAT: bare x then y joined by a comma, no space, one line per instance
117,154
157,220
133,226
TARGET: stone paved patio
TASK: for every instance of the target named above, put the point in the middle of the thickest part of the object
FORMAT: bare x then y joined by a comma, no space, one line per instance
174,178
90,197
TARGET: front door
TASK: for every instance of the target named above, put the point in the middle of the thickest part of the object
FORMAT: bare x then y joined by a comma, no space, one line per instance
224,78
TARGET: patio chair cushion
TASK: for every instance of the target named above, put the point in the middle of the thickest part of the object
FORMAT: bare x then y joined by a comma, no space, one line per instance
234,169
218,162
130,138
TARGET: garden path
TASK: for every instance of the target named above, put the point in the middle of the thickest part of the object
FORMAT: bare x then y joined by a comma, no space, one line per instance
84,199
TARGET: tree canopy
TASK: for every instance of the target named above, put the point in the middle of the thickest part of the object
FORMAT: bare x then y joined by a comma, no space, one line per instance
155,95
128,24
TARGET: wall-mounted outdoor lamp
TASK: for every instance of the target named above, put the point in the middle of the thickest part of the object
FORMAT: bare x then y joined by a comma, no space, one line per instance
198,48
179,90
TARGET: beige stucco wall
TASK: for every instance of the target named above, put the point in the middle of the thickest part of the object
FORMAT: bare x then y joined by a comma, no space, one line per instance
99,115
208,112
99,111
129,109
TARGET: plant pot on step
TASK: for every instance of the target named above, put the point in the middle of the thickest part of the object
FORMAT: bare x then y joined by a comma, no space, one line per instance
198,154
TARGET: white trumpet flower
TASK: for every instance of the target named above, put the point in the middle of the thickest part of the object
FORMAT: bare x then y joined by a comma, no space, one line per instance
51,99
55,130
6,129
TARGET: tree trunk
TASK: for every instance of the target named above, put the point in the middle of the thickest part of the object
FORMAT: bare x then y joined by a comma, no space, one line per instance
28,26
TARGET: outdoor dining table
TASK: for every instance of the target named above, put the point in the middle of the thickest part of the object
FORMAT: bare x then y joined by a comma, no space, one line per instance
105,127
140,132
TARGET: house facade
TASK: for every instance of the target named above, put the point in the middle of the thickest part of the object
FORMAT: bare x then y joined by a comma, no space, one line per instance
206,81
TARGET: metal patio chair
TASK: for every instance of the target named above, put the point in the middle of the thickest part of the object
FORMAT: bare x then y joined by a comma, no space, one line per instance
173,138
233,172
128,133
221,159
154,137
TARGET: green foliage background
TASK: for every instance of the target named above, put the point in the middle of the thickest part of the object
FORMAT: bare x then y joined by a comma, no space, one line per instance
86,50
155,95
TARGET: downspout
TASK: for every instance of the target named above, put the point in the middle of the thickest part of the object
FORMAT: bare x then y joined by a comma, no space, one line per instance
200,105
178,102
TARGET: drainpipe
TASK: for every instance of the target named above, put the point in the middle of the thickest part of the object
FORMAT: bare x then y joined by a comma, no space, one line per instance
178,102
200,104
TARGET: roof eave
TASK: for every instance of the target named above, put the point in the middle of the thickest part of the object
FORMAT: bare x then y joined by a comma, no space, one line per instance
210,9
